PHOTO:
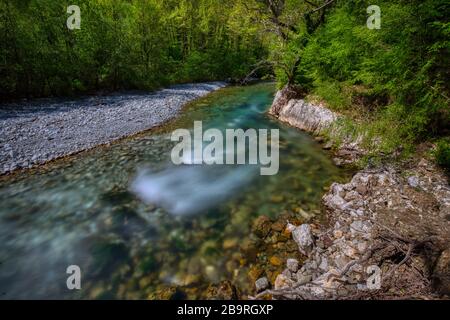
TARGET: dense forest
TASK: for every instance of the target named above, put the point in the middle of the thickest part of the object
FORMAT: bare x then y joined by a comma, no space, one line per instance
140,44
393,79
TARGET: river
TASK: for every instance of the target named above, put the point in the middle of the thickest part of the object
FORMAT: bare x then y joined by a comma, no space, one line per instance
81,210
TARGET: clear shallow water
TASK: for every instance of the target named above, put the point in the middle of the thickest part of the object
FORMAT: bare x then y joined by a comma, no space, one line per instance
81,210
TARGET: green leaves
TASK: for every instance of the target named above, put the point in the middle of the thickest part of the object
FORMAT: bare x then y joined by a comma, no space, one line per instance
135,44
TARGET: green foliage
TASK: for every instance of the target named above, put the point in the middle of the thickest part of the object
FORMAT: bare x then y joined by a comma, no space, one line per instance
331,91
392,81
442,153
140,44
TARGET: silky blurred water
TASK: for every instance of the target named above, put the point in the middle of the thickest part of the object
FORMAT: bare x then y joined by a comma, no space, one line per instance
87,211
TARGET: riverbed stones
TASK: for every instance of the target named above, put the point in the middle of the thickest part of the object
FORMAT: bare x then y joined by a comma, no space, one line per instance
413,181
225,290
261,226
356,210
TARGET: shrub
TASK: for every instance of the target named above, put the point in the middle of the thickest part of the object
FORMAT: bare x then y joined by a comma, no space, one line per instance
442,153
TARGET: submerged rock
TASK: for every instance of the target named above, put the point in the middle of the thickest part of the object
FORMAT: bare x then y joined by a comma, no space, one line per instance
261,226
275,261
225,290
169,293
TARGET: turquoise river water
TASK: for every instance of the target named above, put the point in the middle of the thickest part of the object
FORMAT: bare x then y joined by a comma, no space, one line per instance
83,211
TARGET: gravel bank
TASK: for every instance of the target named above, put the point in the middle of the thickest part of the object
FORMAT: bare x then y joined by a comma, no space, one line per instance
388,229
33,133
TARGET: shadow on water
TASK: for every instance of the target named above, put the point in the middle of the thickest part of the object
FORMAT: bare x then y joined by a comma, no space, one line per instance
190,230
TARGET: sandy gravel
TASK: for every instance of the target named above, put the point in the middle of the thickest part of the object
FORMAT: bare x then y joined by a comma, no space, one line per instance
32,133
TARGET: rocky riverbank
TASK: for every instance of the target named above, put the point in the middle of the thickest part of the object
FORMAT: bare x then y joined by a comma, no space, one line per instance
388,228
32,133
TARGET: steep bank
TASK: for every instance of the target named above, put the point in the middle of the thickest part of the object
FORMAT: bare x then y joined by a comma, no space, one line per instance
395,218
43,130
317,120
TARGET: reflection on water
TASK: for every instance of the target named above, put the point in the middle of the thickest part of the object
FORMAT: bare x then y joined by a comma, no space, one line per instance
82,211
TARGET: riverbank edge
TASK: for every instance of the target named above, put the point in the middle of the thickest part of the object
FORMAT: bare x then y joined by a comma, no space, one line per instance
388,228
74,151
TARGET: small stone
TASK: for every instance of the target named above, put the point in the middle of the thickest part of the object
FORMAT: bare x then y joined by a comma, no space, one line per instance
212,273
413,181
292,264
287,273
249,248
338,161
319,139
190,279
338,189
323,264
348,250
302,235
145,282
361,189
283,282
230,243
278,226
97,292
276,198
290,227
338,234
261,226
328,145
360,227
225,290
303,278
261,284
335,202
254,273
274,260
362,246
352,195
341,261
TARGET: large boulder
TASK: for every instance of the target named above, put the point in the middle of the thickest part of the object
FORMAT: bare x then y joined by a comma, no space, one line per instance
306,116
